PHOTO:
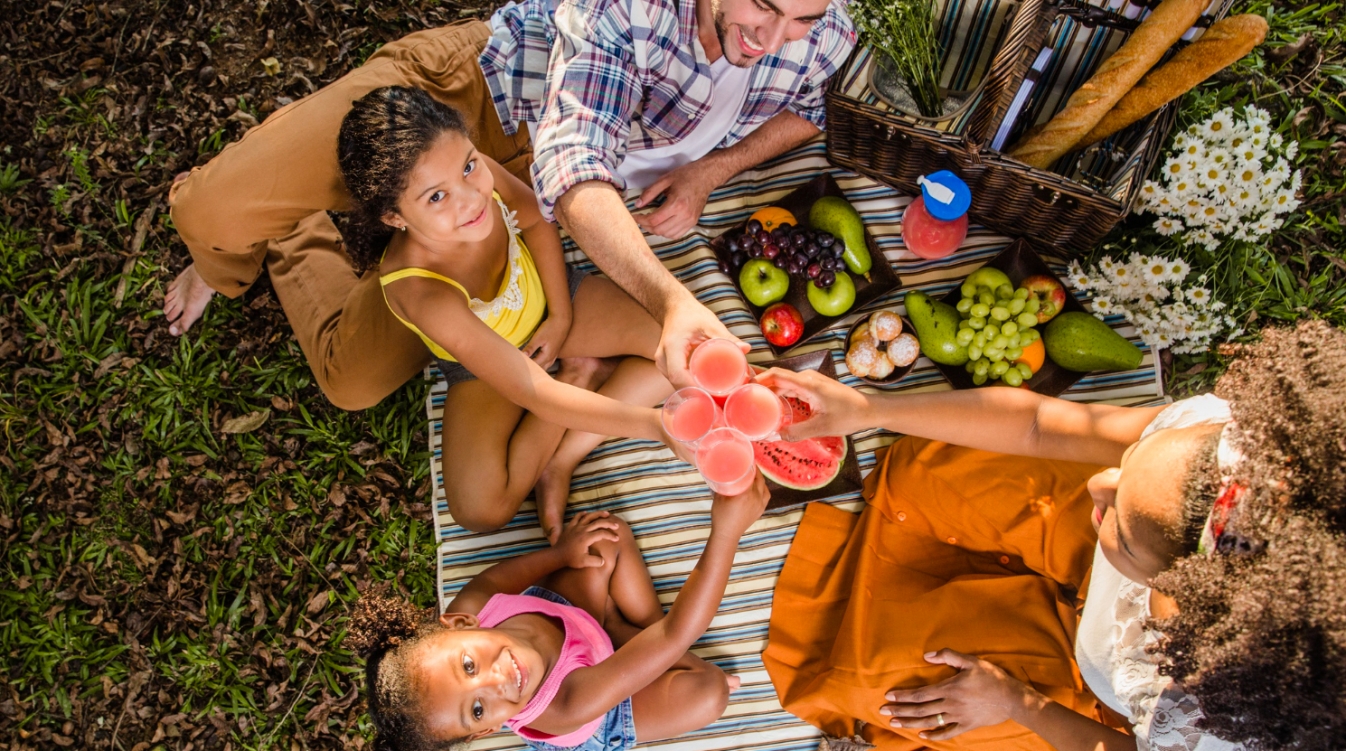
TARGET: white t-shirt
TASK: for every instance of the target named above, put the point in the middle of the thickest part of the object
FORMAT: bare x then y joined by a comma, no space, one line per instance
640,169
1112,644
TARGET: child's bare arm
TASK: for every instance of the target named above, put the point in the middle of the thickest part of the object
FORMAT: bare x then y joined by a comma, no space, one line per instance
590,692
544,243
517,574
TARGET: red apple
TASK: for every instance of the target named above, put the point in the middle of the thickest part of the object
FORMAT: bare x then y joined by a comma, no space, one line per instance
782,325
1050,294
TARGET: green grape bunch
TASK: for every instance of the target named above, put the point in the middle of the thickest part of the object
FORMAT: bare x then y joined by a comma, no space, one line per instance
996,325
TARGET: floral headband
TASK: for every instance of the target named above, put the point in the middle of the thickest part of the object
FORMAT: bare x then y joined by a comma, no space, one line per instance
1221,531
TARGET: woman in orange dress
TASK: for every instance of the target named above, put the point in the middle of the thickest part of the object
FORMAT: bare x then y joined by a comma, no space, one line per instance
1205,539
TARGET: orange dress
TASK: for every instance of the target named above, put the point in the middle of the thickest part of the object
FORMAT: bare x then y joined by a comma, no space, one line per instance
983,553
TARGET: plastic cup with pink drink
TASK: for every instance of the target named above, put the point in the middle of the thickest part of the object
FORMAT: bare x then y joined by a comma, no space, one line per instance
689,414
725,459
757,412
719,366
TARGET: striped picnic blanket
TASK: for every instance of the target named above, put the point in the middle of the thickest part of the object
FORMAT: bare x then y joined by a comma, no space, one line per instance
665,501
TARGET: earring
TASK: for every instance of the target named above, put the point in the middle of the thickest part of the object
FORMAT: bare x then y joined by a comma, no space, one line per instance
403,228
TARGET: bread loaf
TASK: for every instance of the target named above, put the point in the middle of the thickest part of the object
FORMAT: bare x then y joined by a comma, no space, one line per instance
1223,43
1087,106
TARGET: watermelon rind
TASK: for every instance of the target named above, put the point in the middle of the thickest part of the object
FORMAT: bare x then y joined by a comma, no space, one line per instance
801,465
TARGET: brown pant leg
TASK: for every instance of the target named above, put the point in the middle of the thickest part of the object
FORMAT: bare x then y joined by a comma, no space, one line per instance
262,199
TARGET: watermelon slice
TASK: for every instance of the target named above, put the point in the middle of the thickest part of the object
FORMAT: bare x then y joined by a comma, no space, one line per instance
802,465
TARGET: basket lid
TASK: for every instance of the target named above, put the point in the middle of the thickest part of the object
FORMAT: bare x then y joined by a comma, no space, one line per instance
946,196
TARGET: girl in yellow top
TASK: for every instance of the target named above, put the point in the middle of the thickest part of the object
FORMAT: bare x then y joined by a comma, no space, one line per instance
468,263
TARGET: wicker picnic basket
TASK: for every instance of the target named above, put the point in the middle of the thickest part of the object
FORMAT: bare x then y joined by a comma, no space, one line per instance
1072,205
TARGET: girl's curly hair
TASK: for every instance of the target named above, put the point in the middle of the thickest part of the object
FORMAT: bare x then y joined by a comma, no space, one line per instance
1260,637
385,631
382,137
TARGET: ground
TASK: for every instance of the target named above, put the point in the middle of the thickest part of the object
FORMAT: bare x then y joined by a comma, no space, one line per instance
185,523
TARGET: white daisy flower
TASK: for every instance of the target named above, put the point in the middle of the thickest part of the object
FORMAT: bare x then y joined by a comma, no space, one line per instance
1182,187
1285,201
1274,141
1246,173
1219,126
1176,168
1291,149
1211,175
1168,226
1103,306
1199,296
1220,157
1107,265
1154,270
1296,181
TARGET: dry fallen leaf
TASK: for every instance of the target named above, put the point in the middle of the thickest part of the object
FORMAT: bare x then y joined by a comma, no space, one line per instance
271,65
246,423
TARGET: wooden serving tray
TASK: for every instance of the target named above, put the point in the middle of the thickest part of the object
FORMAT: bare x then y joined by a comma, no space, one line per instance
882,278
1019,261
848,480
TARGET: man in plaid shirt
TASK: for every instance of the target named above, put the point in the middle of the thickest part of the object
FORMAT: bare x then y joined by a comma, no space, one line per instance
584,98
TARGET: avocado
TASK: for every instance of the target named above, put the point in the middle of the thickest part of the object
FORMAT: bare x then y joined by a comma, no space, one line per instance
1082,343
838,217
936,328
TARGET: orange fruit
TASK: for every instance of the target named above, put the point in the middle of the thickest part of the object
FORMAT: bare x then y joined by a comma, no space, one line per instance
774,216
1034,355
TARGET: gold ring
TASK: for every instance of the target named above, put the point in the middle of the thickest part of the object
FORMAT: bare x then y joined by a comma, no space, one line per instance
939,719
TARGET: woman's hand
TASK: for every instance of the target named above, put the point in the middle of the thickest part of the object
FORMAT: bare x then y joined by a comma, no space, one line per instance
583,531
546,342
979,696
838,409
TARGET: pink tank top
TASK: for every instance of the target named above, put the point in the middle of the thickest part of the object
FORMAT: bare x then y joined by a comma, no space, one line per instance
586,644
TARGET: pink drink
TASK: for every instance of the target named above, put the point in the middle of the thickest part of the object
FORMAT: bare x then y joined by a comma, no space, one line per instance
756,411
689,414
719,366
928,237
726,460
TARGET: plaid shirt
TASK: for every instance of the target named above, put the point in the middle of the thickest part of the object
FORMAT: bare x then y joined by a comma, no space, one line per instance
599,77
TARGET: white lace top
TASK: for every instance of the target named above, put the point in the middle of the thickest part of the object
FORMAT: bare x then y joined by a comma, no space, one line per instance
1112,645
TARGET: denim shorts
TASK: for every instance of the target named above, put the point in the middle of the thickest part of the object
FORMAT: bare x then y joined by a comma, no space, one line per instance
616,731
454,373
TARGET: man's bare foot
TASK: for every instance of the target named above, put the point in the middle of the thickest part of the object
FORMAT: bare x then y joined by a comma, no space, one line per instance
553,486
186,300
733,681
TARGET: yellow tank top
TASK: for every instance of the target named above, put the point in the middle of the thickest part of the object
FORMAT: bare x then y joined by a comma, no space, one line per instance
519,306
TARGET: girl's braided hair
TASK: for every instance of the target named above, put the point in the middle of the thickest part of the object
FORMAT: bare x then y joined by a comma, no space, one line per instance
385,631
385,133
1260,637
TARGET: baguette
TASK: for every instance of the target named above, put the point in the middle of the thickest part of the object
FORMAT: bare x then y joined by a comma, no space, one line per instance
1087,106
1224,42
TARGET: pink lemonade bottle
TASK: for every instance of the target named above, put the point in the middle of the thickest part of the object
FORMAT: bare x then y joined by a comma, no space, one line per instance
757,412
719,366
935,224
689,414
726,461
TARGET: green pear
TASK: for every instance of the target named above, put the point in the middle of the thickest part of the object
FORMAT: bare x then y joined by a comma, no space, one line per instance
839,218
1082,343
936,328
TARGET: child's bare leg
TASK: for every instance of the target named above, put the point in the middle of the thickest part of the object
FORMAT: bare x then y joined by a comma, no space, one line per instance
635,381
608,322
492,458
690,695
622,578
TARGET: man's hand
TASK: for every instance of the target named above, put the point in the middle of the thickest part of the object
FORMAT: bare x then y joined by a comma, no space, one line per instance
837,408
979,696
685,326
685,191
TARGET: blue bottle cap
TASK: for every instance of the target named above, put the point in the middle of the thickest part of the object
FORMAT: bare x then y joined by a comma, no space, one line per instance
946,196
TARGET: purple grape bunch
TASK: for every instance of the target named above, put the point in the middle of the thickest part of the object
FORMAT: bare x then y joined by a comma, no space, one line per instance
803,253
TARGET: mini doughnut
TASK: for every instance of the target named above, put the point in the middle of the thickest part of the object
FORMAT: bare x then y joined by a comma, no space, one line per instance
863,358
862,334
904,350
883,367
885,325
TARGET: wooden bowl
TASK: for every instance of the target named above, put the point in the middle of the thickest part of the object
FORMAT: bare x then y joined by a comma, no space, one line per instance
899,372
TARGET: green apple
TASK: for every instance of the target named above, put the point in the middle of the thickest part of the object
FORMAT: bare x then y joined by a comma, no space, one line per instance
762,282
834,300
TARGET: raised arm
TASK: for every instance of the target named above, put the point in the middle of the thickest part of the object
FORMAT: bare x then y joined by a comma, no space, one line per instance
590,692
441,312
1005,420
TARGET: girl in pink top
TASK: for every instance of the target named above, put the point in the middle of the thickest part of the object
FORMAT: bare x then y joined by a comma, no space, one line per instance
567,646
